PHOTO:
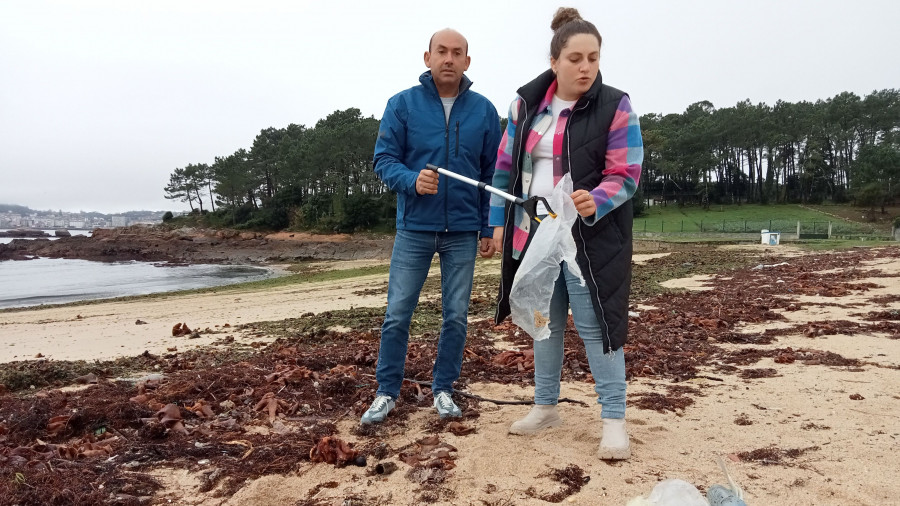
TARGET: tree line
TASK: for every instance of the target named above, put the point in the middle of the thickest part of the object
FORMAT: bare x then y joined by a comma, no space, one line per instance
843,149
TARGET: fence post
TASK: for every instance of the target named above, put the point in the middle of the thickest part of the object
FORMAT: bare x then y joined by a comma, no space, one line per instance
829,230
682,225
701,224
662,226
798,230
723,225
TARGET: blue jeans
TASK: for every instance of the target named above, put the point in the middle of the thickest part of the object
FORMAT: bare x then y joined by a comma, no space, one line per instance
608,370
410,261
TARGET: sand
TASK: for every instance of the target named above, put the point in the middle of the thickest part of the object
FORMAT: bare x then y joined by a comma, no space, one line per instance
852,447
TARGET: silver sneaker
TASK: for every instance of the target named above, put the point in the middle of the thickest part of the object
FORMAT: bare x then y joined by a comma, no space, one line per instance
378,411
445,406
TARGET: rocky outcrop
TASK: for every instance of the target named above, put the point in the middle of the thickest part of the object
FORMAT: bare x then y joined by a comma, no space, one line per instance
24,232
190,245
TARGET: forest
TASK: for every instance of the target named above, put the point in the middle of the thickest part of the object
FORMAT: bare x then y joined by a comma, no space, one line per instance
845,149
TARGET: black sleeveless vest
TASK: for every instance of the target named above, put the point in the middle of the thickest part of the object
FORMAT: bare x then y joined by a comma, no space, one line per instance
604,248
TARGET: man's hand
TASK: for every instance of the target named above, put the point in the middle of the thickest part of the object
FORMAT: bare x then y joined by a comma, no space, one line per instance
487,247
584,203
427,182
498,239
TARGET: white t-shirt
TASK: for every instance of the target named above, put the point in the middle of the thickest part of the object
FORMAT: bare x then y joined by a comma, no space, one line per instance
448,104
542,154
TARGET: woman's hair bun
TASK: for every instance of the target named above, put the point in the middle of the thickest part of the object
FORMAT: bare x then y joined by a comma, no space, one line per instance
564,15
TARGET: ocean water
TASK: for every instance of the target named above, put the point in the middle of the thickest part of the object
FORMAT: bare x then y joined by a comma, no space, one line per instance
56,281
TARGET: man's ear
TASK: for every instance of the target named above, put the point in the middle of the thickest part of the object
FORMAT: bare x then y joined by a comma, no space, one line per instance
468,62
427,54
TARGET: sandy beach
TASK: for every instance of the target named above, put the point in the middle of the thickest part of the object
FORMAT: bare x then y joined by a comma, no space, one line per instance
832,432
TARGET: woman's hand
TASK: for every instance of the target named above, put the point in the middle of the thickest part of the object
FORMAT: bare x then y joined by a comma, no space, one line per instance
498,239
584,204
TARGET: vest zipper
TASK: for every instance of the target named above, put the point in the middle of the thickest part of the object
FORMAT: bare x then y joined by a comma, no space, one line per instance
584,243
515,163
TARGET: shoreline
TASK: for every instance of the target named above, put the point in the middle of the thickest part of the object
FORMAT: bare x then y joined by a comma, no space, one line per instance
52,282
98,325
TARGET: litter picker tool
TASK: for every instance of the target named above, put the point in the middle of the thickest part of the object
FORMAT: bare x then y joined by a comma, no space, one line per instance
529,204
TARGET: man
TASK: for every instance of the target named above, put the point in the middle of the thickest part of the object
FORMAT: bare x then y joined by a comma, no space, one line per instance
440,122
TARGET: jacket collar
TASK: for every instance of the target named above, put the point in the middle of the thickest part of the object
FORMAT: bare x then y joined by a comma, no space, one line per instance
533,92
428,82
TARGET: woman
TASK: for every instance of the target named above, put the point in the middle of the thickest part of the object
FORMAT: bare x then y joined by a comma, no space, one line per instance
567,120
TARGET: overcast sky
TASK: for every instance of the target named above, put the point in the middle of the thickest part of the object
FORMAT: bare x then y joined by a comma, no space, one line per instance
101,100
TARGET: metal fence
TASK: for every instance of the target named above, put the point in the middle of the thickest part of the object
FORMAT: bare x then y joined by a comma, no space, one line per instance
815,228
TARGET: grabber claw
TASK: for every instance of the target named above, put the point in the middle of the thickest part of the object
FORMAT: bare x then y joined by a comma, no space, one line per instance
529,204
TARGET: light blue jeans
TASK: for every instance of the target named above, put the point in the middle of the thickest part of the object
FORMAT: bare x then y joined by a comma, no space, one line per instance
608,370
410,261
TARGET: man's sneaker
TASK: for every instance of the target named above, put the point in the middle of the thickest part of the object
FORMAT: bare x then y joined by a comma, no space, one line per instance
377,412
445,406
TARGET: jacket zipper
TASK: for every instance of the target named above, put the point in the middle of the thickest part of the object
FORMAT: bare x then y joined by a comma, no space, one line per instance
583,242
446,179
457,138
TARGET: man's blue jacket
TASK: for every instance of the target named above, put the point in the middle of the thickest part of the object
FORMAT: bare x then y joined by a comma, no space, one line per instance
413,133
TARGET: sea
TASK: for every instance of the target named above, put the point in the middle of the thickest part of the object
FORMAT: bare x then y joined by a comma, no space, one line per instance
25,283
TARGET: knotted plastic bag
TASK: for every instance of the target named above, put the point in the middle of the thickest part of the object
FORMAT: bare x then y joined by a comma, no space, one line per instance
672,492
532,287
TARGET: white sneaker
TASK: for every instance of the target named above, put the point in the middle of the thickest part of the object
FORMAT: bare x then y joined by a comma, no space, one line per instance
445,406
378,411
614,444
540,417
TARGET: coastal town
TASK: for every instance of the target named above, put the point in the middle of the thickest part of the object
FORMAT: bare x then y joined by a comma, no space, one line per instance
18,217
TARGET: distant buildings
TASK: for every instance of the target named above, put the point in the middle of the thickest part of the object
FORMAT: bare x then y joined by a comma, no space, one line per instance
50,220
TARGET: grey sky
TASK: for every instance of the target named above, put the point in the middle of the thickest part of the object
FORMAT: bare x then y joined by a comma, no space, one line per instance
101,100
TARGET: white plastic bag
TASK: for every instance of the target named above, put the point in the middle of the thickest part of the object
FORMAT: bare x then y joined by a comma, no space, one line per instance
532,287
673,492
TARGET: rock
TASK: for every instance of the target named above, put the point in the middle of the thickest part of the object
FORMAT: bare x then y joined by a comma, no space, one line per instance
62,233
24,232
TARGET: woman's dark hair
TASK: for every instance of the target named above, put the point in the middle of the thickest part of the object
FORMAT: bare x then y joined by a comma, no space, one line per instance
566,23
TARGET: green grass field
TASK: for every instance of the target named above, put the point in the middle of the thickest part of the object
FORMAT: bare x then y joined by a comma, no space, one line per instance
748,218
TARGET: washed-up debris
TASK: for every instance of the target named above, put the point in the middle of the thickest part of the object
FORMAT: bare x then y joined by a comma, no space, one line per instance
521,360
332,450
430,452
181,329
773,455
87,379
170,417
572,478
385,467
271,405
